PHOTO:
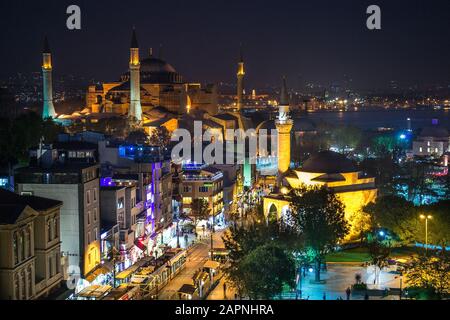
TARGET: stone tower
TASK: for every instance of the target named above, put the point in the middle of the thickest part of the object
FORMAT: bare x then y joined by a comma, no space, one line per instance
135,110
240,81
48,109
284,126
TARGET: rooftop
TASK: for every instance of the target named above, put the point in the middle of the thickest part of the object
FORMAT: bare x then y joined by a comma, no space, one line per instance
12,205
329,162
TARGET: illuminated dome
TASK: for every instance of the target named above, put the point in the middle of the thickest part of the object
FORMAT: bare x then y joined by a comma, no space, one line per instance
329,162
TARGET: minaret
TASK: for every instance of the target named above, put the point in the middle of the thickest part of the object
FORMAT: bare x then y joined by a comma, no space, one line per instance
240,81
48,110
135,110
284,127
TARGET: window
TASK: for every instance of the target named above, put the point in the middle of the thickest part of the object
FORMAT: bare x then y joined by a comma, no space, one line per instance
95,194
120,203
58,262
15,247
29,240
50,267
22,244
420,149
428,143
203,189
95,214
16,287
49,229
428,150
95,234
23,285
56,230
436,150
88,197
30,283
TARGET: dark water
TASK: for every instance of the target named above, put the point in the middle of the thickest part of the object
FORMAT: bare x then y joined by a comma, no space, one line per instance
390,119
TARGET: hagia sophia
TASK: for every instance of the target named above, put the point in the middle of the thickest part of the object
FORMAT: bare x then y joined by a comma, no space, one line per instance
153,94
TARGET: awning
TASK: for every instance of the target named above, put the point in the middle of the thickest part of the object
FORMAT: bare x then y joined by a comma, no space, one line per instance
100,269
95,291
210,264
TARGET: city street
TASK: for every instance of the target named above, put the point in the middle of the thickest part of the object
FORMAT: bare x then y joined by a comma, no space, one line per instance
197,256
341,276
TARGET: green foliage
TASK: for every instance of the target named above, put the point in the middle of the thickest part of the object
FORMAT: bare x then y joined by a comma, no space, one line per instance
344,137
383,169
379,253
430,272
265,270
137,137
402,218
160,137
359,286
438,225
383,145
397,215
20,134
419,293
241,241
200,209
319,216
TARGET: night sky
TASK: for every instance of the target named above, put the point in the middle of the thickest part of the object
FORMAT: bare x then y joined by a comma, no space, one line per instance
321,41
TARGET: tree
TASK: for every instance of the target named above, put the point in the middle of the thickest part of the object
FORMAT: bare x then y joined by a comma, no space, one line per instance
430,272
160,137
18,135
200,210
241,241
396,214
379,254
319,216
360,223
137,137
344,137
265,271
439,225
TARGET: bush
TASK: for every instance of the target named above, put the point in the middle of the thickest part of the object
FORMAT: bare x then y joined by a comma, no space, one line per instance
419,293
359,286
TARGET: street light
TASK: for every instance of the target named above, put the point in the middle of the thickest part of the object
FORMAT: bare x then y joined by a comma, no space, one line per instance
426,217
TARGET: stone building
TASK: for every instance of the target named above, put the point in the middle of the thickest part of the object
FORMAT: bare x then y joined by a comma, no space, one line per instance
30,258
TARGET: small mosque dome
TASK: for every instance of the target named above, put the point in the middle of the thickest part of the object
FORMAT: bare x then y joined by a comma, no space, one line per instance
329,162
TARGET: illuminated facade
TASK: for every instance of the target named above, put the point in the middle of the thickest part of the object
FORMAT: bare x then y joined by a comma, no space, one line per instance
48,109
335,172
240,83
76,185
150,83
202,182
284,126
135,109
30,259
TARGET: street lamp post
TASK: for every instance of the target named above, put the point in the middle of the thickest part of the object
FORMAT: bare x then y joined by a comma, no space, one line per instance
426,217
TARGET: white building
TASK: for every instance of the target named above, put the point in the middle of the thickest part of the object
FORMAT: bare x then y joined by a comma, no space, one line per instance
432,141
